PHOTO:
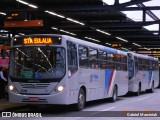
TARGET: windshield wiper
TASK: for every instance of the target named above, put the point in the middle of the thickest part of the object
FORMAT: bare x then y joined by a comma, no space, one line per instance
45,57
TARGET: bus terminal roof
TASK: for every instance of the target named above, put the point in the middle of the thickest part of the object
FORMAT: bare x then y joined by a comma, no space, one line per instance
91,20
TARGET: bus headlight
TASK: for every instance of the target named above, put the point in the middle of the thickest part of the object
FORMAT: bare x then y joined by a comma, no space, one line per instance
59,88
11,87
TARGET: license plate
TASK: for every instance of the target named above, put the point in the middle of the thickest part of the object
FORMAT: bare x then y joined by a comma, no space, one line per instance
33,98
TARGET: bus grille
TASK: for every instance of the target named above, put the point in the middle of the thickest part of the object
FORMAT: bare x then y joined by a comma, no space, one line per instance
35,86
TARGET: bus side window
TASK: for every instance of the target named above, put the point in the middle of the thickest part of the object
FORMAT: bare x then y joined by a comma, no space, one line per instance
110,61
72,58
103,59
124,63
136,64
118,61
83,57
93,55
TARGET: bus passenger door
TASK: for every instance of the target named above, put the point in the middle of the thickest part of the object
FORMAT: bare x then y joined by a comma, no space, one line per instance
72,65
130,67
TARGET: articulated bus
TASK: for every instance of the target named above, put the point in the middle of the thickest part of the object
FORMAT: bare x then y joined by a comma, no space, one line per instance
143,73
59,69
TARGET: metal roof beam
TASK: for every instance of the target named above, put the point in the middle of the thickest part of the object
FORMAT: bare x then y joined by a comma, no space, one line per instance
150,13
123,24
139,9
134,30
139,36
84,8
132,2
102,8
115,7
96,8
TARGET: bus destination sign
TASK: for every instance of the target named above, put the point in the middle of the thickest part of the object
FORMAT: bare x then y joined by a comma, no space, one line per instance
37,40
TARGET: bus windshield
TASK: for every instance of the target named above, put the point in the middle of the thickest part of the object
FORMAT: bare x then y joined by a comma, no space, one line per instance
37,62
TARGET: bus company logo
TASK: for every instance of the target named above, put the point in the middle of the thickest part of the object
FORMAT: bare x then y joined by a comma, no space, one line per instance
93,77
6,114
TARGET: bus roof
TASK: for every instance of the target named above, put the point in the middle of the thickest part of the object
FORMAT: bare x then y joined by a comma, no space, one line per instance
94,45
144,56
82,42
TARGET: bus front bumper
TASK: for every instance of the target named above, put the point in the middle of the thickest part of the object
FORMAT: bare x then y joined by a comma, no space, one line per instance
59,98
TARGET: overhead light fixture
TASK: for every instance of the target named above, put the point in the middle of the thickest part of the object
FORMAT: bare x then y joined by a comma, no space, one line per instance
2,13
146,48
33,6
54,28
3,31
122,39
67,32
26,3
155,48
23,2
107,43
103,32
136,44
92,39
75,21
21,33
55,14
155,33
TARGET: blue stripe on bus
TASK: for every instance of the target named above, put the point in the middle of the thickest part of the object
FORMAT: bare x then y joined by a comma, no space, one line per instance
108,79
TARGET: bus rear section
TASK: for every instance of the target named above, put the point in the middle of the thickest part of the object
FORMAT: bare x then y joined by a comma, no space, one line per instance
143,73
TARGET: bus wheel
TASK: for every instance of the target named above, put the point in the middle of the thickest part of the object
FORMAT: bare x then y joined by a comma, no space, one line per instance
114,95
81,100
139,91
152,88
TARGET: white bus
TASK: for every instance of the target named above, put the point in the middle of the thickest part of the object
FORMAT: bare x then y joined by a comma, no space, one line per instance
143,73
59,69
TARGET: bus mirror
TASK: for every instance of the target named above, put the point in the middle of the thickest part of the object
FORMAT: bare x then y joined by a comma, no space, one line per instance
3,53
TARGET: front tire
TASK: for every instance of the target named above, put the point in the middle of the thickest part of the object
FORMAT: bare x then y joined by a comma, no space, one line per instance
81,100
